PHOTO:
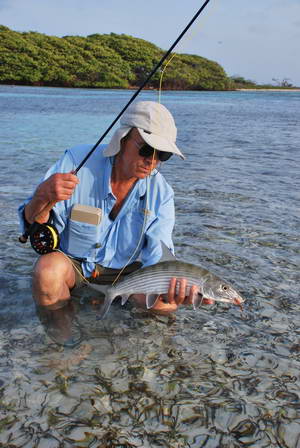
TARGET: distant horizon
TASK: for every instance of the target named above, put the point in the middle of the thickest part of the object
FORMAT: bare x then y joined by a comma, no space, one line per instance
257,42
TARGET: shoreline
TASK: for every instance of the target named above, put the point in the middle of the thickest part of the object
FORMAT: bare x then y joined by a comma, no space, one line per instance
296,89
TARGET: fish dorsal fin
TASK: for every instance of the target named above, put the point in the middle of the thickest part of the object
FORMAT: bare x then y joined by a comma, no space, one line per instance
166,253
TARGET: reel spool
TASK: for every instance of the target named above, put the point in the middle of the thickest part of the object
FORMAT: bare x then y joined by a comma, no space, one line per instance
44,238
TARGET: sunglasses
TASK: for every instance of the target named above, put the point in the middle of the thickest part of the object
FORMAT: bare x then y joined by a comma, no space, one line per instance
147,151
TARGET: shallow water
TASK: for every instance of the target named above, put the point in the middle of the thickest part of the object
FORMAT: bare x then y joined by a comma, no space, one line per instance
216,377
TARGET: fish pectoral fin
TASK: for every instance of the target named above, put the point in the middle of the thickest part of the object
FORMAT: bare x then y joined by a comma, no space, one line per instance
124,299
151,300
197,300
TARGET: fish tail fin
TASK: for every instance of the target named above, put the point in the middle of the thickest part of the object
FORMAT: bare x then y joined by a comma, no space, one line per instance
104,308
108,299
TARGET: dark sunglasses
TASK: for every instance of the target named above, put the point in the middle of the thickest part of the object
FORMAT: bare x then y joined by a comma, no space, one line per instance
147,151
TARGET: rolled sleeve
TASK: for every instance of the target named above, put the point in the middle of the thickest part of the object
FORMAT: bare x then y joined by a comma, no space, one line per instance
22,224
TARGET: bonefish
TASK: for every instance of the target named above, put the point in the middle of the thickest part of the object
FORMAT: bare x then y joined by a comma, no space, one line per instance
153,281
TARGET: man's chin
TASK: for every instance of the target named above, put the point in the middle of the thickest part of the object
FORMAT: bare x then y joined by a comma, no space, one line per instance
143,173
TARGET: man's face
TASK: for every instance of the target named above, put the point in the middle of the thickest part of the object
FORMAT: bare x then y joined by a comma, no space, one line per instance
130,162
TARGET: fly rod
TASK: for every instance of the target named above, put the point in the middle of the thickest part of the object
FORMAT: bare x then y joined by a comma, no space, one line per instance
142,86
44,238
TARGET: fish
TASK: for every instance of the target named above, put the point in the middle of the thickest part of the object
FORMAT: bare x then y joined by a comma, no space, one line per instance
153,281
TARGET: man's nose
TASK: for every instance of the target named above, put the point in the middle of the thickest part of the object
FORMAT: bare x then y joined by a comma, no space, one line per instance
151,159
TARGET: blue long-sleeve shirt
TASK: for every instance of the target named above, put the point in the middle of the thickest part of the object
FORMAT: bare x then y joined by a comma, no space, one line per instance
112,243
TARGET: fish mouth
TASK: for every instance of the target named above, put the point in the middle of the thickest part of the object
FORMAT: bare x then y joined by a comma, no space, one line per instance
238,300
198,301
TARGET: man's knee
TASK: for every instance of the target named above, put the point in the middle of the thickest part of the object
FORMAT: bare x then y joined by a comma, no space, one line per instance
52,270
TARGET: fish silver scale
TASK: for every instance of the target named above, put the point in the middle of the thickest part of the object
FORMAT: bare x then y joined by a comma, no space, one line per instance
156,279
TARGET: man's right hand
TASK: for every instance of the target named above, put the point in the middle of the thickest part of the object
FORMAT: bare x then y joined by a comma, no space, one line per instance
58,187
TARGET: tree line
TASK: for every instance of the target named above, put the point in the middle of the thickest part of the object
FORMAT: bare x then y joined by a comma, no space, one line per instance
102,61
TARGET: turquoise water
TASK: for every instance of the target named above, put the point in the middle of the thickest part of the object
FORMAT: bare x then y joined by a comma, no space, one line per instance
215,377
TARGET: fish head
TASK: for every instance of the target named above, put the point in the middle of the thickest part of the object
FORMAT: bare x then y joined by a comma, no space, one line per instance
221,291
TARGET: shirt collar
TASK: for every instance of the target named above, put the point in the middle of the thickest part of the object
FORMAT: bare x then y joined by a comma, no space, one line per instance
142,186
108,164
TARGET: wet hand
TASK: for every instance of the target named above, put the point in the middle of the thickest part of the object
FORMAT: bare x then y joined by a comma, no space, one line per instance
177,295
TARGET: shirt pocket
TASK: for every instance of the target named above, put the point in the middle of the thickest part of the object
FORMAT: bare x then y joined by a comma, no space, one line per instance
82,239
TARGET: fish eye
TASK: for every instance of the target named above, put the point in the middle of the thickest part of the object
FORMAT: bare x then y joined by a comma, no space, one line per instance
225,287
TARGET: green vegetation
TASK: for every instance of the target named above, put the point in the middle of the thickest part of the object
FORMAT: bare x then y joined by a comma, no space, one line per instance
238,82
101,61
241,83
106,61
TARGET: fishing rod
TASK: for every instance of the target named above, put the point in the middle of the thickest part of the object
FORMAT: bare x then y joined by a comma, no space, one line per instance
44,238
143,85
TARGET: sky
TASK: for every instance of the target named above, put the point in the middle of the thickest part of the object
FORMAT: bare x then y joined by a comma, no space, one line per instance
256,39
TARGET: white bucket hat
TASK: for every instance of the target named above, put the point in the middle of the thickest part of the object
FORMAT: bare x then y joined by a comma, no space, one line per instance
154,123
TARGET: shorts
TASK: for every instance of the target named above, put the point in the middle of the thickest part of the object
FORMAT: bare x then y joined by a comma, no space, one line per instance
104,276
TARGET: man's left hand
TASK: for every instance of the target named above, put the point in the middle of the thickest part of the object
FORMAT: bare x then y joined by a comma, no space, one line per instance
177,295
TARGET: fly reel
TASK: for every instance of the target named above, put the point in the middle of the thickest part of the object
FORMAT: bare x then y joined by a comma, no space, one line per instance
44,238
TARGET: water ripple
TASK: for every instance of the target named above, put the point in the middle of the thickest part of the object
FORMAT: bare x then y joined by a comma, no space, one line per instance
217,377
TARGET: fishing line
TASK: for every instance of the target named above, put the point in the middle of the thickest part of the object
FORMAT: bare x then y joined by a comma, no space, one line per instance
43,241
195,31
68,257
146,211
191,34
161,76
143,84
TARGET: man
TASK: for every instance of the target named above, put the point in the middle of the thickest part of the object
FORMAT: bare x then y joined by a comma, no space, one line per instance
136,204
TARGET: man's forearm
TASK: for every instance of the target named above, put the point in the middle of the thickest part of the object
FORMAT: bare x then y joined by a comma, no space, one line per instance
39,207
